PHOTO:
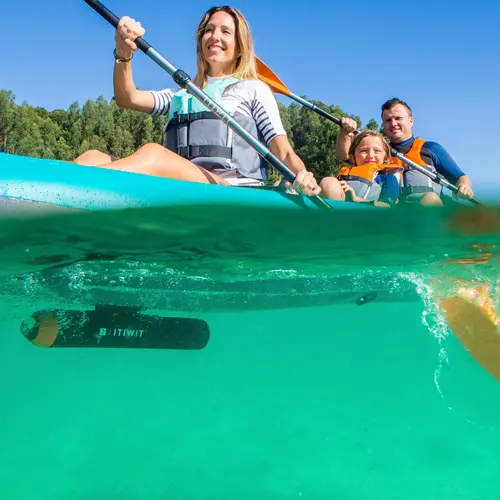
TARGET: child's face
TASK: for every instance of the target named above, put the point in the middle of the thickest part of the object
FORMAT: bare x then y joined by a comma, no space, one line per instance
369,150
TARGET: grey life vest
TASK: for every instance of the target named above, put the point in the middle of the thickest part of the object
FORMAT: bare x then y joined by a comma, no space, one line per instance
194,132
413,181
368,190
362,180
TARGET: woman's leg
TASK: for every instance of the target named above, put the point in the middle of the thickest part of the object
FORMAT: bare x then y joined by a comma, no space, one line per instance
93,158
331,189
155,160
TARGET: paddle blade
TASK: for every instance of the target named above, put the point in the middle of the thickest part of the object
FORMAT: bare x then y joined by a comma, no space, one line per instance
265,74
476,330
115,327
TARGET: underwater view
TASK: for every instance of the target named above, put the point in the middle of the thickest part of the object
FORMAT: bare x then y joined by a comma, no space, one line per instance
330,370
244,259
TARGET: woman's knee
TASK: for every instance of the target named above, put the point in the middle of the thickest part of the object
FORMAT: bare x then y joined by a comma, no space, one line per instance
93,157
154,155
151,149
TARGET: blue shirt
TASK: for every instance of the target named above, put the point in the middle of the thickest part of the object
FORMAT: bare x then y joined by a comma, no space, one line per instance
390,188
433,154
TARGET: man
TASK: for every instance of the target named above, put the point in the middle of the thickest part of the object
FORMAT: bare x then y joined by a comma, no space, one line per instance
397,121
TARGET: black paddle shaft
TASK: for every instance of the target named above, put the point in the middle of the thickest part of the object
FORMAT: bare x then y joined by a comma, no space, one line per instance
184,81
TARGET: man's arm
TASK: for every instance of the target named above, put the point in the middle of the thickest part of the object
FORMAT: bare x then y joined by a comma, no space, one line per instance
344,138
448,168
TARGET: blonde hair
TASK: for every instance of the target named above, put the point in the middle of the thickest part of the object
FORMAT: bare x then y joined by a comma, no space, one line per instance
369,133
245,62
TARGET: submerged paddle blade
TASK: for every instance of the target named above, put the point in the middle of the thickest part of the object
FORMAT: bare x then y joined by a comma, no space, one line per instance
265,74
476,330
115,327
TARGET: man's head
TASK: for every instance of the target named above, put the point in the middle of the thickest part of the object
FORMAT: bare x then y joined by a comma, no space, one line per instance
397,120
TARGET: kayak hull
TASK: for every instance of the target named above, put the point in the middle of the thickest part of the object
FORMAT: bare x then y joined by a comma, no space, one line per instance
33,184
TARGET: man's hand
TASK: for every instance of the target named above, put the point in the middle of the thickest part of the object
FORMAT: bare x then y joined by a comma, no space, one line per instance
464,189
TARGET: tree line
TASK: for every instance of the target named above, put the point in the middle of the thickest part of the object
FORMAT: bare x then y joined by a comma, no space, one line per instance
65,134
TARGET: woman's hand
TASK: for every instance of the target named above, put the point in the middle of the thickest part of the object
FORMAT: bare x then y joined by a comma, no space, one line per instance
127,31
306,184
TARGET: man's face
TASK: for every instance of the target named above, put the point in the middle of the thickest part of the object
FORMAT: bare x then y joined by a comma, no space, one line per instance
397,123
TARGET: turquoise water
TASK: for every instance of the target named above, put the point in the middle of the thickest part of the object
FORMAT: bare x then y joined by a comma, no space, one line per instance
300,393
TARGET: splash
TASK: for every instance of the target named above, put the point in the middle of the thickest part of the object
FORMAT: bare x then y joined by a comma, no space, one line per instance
434,320
478,289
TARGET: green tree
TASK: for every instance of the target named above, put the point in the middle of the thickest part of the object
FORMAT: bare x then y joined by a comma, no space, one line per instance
144,131
372,125
6,110
99,124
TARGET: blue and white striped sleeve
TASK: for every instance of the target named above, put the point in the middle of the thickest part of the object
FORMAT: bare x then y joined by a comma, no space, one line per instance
162,101
265,112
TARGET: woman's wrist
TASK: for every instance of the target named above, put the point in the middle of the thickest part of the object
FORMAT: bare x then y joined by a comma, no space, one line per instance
122,50
122,58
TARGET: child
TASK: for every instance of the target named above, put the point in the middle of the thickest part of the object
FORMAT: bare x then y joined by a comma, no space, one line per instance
369,178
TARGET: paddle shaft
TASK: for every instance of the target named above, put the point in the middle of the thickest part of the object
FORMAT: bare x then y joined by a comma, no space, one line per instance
184,81
436,177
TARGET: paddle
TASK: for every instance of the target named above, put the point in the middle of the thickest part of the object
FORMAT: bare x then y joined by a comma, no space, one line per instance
184,81
265,74
115,327
476,330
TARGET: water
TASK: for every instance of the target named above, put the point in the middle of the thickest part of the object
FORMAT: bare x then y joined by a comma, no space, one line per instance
301,393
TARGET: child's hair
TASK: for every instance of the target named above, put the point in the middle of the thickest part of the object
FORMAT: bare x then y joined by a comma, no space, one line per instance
367,133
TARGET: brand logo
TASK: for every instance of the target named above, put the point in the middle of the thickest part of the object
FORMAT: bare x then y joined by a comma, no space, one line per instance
119,332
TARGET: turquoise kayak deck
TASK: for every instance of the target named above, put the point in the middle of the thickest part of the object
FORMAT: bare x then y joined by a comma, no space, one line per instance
89,188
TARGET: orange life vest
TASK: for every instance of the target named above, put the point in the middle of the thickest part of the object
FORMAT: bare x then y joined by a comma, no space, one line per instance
412,180
362,178
413,155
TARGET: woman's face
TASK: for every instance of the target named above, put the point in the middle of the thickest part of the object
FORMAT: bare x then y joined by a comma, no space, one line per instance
219,43
369,150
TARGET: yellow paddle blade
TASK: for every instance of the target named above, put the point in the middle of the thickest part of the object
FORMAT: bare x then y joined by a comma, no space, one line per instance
478,330
47,333
483,220
266,75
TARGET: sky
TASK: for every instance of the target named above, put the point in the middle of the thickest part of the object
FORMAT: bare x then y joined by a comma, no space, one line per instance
440,56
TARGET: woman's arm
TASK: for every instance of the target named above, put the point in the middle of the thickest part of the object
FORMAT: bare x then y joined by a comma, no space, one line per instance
265,112
126,93
305,182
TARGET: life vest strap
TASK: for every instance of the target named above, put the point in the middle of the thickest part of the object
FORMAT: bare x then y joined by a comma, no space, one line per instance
191,117
206,151
354,178
407,190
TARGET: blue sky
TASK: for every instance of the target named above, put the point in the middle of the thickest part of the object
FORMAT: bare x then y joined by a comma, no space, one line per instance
440,56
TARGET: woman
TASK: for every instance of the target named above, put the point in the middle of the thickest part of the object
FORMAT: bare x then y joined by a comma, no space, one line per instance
201,148
369,178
